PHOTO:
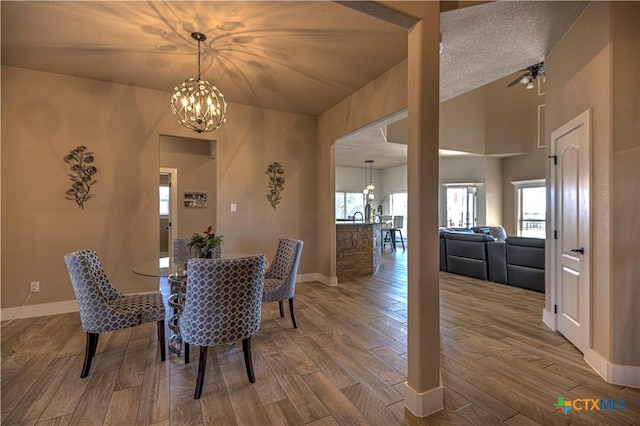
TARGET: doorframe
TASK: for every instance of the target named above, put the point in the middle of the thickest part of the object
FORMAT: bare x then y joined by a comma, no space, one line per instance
549,315
173,205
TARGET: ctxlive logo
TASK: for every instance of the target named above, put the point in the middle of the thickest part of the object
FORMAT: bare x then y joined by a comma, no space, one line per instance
586,404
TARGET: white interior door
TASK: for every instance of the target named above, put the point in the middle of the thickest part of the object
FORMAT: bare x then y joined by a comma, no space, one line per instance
571,144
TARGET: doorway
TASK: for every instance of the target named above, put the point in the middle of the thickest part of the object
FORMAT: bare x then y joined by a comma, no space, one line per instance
168,211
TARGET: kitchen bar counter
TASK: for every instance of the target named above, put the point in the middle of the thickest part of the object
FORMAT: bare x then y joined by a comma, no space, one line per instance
358,249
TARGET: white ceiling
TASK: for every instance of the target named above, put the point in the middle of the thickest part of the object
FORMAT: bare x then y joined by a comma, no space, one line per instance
297,56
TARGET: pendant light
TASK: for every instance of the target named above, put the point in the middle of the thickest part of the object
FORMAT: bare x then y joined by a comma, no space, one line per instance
368,189
198,105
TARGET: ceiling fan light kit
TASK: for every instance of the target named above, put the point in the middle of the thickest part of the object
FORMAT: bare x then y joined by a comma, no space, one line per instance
198,104
530,75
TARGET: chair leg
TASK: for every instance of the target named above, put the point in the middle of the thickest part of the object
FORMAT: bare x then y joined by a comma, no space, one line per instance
90,351
186,352
293,316
246,348
161,339
94,347
202,366
281,308
401,240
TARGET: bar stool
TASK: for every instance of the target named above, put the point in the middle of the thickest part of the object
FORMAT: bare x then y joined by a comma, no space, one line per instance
386,231
398,224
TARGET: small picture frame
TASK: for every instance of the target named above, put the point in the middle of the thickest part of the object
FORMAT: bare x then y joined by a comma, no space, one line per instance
195,199
541,83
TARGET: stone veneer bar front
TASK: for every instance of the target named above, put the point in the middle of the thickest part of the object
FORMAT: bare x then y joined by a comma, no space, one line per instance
358,249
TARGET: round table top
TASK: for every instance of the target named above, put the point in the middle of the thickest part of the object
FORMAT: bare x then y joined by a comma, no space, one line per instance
165,266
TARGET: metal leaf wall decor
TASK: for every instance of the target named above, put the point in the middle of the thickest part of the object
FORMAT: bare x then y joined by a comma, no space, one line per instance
276,183
82,176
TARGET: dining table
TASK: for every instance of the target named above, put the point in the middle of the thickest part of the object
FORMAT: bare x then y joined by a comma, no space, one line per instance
176,274
164,266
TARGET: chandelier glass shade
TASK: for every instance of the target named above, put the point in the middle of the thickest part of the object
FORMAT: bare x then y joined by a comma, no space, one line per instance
198,104
368,189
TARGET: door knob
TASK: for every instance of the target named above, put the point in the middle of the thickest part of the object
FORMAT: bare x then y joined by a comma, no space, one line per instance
577,250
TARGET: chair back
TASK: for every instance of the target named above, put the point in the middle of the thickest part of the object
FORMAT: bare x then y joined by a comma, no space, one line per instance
181,250
89,286
285,262
398,222
99,277
386,220
285,267
223,300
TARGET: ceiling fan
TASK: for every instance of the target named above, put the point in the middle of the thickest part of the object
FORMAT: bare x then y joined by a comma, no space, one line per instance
531,73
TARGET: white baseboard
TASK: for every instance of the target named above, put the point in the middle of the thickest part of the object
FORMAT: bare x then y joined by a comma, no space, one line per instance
54,308
305,278
29,311
623,375
549,318
422,404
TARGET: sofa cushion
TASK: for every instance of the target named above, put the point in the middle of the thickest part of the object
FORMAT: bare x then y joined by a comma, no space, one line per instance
469,267
467,245
526,241
528,252
497,256
530,278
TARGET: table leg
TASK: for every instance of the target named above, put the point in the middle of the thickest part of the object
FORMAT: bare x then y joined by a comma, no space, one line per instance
176,302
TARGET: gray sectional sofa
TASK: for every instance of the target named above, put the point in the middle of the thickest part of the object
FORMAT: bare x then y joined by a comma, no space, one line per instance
517,261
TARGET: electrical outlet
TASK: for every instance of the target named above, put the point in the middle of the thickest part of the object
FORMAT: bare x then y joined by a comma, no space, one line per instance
34,286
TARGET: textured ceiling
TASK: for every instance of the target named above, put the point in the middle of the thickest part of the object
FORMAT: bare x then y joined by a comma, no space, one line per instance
481,44
298,56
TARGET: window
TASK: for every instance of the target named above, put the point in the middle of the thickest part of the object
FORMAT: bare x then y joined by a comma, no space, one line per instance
460,205
348,203
164,200
531,208
398,207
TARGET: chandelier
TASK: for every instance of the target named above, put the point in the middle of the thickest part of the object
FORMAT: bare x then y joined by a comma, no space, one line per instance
368,189
198,104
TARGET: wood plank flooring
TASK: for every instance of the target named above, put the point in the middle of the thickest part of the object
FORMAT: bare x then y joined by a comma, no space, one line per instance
344,365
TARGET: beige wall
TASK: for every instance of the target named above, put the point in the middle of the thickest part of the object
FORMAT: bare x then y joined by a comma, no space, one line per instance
463,122
482,170
625,179
500,122
45,115
382,97
246,147
511,117
493,192
493,119
517,168
580,66
196,170
596,67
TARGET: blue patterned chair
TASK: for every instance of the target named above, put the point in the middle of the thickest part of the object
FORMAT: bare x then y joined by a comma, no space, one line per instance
280,278
181,250
223,305
103,308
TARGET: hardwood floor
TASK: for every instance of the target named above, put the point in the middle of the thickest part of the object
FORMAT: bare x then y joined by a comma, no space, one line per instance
345,364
